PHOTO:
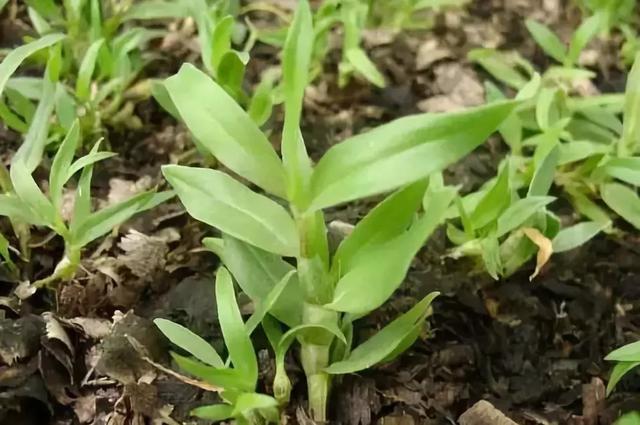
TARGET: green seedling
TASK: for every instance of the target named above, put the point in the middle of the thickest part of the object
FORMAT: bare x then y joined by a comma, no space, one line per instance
26,203
627,358
407,14
584,146
99,69
611,13
328,292
236,379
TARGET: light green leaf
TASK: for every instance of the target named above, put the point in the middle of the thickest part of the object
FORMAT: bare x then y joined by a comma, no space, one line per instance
261,104
221,125
11,206
157,9
500,66
82,204
625,169
385,342
105,220
61,163
631,418
231,73
400,153
296,57
66,111
631,128
226,379
221,43
386,221
361,62
585,32
544,174
13,60
236,337
547,39
618,372
580,149
266,305
378,270
490,251
626,353
248,402
85,161
190,342
214,412
520,211
87,66
217,199
623,201
258,273
4,250
577,235
494,201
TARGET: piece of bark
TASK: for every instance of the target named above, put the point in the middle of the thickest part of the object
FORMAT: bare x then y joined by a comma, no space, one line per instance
483,413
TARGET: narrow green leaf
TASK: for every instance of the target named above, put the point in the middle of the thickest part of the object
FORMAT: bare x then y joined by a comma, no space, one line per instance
577,235
4,250
623,201
226,379
13,60
217,199
401,152
547,39
386,221
231,73
625,169
544,174
618,372
626,353
65,108
82,204
87,67
258,273
382,344
61,163
221,125
13,207
266,305
490,247
520,211
190,342
261,104
494,201
361,62
378,270
631,128
248,402
221,43
500,66
631,418
214,412
105,220
236,337
585,32
296,57
157,9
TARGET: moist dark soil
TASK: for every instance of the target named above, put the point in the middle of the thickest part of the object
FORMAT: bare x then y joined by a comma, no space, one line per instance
534,349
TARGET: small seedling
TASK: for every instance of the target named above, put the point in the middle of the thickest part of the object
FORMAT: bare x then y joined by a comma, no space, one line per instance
328,292
627,358
235,379
26,203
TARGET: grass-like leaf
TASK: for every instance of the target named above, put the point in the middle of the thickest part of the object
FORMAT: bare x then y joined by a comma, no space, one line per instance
190,342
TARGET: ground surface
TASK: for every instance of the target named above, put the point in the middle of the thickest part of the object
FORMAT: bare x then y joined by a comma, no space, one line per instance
534,349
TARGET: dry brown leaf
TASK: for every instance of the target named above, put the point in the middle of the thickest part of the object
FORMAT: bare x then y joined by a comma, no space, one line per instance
545,248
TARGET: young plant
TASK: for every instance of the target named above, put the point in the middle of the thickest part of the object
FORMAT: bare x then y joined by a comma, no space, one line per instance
627,358
611,13
235,379
26,203
100,64
328,292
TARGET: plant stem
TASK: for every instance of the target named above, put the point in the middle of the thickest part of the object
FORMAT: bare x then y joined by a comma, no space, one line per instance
315,358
